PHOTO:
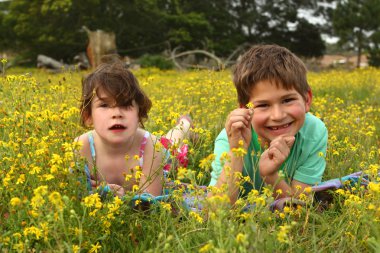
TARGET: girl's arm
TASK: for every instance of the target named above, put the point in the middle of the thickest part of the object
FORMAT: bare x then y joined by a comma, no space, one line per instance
152,178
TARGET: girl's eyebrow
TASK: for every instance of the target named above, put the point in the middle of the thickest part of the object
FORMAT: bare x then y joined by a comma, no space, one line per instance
102,98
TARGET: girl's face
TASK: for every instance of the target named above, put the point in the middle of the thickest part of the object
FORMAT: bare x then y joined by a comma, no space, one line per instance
277,111
114,124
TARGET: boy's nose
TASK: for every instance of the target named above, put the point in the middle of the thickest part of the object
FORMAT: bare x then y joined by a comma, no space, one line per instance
277,113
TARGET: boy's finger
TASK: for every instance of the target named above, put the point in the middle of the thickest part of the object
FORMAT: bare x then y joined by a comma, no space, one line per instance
243,119
289,140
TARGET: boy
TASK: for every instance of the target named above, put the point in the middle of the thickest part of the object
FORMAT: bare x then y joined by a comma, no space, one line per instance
285,144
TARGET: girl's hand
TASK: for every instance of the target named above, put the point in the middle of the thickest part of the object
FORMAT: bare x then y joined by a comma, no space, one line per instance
94,183
117,190
238,127
272,158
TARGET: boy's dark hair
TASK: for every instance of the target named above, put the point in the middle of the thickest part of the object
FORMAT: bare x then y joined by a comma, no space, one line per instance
269,62
113,78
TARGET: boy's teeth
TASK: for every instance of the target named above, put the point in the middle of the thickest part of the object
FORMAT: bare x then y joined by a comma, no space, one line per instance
276,128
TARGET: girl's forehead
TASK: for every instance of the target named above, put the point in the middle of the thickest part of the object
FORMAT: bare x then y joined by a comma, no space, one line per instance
103,95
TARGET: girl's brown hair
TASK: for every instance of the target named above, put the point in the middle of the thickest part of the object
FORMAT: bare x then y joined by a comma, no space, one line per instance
119,84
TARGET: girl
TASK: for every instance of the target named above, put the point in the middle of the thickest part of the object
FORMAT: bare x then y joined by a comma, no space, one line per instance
118,151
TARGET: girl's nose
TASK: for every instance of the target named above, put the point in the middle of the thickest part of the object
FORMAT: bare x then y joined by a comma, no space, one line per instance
116,112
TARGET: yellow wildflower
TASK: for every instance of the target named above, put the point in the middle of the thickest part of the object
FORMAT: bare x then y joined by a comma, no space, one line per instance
15,202
95,248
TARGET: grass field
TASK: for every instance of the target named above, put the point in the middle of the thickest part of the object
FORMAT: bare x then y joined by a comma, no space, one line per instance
43,206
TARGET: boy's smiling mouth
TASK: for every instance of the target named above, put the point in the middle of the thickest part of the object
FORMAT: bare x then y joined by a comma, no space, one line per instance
284,126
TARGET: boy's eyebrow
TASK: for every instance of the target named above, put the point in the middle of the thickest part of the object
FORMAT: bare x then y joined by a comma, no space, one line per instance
282,97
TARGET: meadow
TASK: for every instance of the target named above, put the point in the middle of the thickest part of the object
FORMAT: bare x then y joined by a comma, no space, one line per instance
45,208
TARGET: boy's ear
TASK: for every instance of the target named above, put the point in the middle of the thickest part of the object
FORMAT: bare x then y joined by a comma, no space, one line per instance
308,99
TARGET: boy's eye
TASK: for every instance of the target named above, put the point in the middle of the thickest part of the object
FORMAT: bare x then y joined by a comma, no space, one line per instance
288,100
261,105
103,105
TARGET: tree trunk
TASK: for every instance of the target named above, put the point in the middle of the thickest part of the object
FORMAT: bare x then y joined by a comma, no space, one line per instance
359,55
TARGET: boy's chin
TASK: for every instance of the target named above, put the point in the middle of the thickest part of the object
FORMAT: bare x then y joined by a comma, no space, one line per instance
270,138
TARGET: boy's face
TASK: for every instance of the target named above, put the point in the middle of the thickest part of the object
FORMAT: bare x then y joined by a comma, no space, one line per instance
277,111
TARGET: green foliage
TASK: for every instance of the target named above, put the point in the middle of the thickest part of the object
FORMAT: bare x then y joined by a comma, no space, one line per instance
34,27
156,61
354,22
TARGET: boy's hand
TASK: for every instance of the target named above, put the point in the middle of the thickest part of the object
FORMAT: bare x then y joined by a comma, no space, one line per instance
272,158
238,127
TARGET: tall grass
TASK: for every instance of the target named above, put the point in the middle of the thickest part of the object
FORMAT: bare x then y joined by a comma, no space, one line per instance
44,206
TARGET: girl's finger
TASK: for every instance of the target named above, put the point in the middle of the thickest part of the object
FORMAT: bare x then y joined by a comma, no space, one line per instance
94,183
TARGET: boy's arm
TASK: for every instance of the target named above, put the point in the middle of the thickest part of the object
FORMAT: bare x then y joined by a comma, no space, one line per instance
308,173
228,176
271,161
238,128
282,189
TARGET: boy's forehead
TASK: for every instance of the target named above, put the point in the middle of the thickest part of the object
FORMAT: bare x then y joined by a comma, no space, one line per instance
270,87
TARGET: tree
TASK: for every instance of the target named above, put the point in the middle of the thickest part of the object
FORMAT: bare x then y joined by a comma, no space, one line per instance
279,23
374,49
151,26
40,26
354,21
141,26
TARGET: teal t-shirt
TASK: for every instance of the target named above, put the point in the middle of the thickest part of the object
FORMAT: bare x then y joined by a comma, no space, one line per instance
305,163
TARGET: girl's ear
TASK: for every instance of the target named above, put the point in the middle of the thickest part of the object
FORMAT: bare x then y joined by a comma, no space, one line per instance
87,119
308,99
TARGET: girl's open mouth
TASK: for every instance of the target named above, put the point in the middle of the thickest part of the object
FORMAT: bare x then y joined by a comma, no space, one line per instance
117,127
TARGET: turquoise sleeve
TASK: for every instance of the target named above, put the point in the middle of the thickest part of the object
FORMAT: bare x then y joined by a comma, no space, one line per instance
312,168
221,146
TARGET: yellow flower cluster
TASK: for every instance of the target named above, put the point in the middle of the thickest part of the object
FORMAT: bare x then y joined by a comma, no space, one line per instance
43,185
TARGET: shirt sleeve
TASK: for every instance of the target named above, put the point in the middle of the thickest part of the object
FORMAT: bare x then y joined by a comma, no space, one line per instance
221,146
311,170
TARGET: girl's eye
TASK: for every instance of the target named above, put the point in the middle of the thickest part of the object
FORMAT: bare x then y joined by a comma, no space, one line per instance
127,106
103,105
261,105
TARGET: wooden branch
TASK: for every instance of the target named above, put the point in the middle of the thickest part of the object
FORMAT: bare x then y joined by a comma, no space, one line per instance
173,56
221,64
198,51
237,50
